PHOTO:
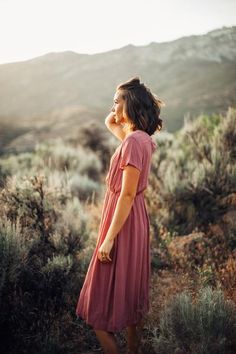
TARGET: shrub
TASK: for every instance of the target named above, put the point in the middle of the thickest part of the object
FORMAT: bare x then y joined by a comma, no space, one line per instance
83,187
192,172
41,235
201,252
57,155
65,166
206,326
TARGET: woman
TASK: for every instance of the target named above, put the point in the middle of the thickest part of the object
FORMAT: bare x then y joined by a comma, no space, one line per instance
115,293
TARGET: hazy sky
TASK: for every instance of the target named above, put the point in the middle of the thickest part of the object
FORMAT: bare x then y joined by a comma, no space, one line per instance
30,28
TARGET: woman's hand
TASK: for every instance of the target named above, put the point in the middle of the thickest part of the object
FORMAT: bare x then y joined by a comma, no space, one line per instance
104,251
111,118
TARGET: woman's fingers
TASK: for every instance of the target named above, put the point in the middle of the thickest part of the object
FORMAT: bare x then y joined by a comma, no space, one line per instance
109,258
103,257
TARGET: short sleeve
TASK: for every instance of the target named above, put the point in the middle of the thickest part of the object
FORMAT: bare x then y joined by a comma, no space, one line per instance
131,154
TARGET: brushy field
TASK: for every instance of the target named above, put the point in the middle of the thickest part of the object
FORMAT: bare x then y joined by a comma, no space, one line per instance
50,205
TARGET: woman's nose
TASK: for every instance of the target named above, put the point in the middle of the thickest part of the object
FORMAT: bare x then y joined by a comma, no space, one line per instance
112,109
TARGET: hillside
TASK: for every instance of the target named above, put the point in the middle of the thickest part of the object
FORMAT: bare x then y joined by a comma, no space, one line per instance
192,75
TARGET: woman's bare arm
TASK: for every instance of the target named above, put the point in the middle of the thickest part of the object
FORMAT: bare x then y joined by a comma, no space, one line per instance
125,201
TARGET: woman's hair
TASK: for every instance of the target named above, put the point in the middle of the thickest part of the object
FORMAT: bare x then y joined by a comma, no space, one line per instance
141,105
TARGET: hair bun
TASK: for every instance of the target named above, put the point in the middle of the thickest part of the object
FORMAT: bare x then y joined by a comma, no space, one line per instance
137,83
135,80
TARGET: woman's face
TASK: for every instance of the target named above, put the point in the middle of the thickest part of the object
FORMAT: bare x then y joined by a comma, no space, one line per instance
118,108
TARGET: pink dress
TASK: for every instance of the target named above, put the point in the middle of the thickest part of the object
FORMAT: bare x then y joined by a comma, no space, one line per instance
116,294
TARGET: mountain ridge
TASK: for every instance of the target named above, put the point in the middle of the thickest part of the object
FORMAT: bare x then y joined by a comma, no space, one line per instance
193,75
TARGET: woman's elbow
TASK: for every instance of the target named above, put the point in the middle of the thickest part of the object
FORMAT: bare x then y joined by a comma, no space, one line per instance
128,196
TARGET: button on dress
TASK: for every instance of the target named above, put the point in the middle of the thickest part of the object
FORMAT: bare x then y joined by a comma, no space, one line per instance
116,294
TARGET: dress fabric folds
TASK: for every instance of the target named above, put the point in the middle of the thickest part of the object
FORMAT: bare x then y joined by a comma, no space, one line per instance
116,294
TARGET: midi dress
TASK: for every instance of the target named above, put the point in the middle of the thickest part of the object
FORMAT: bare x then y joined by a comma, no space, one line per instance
115,295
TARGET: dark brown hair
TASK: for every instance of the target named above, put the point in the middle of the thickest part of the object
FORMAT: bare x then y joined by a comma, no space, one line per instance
141,105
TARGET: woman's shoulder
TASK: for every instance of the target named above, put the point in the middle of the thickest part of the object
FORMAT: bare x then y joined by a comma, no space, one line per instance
140,137
141,140
137,135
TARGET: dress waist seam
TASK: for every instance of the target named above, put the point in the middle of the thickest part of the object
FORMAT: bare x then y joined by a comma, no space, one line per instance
118,192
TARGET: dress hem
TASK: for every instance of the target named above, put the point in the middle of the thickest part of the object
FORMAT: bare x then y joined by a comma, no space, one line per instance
112,328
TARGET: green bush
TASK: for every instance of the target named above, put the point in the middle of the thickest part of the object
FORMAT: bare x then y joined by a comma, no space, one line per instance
204,327
57,155
192,172
83,187
42,234
74,168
